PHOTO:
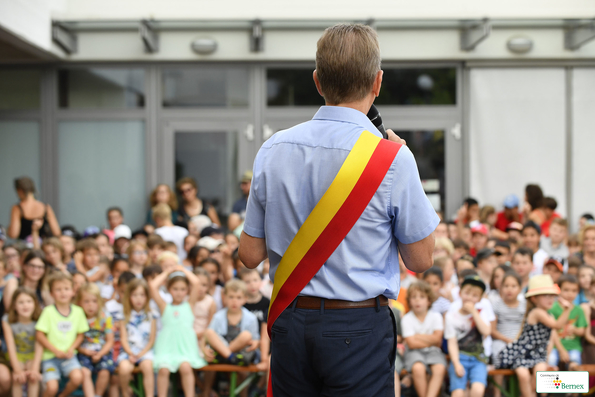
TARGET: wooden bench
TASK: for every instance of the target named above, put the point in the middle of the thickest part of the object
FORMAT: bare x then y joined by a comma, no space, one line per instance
233,370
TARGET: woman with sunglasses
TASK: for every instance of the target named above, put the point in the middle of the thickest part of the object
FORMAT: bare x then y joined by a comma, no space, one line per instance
191,204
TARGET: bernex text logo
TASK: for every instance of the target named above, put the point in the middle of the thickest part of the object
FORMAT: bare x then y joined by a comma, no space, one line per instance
562,382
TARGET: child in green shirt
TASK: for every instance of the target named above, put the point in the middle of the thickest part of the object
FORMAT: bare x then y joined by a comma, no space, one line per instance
60,330
568,339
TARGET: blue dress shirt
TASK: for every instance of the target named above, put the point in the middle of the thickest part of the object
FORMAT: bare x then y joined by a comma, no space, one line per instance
295,167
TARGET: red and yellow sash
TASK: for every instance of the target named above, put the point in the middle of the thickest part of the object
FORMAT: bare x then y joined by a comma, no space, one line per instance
331,219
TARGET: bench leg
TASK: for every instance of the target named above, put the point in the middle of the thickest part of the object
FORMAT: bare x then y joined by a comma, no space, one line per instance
232,384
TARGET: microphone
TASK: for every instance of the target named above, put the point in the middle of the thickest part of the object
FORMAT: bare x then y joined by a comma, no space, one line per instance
376,119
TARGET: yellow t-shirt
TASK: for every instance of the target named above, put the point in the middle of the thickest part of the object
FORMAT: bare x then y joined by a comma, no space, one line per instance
61,330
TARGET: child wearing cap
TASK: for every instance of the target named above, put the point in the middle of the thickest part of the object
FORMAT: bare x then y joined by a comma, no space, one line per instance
529,351
465,329
554,268
479,238
568,344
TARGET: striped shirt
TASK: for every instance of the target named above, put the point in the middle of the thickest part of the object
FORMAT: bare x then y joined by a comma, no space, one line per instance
510,319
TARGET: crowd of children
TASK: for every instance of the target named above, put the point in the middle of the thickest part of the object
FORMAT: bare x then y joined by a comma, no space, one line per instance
85,313
88,312
501,295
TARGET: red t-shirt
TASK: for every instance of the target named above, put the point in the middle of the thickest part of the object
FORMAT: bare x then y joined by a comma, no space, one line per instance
545,226
502,222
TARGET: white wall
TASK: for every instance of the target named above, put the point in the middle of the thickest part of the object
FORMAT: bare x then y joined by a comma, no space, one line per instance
29,20
330,9
583,148
517,133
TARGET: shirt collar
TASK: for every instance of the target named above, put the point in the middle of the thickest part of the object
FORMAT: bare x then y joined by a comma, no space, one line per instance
346,115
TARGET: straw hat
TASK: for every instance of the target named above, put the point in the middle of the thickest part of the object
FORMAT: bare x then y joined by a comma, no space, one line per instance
542,285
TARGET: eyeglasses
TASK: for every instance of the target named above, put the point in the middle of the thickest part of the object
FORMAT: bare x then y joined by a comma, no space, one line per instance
35,267
139,252
184,191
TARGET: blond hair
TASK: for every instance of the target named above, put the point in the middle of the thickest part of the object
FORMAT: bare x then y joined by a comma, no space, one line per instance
347,62
584,230
167,255
161,211
57,277
235,285
445,244
91,289
133,285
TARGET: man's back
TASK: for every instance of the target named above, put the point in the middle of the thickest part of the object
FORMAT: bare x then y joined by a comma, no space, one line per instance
292,172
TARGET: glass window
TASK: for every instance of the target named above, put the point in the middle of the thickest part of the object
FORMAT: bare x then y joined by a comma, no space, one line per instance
19,89
101,164
292,87
102,88
19,156
211,159
206,87
421,86
428,149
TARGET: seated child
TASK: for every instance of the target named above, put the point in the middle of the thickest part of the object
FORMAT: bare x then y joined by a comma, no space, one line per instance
433,276
233,329
554,268
446,264
95,353
568,344
60,330
586,273
205,307
422,332
87,262
464,330
259,306
233,334
522,264
117,267
554,245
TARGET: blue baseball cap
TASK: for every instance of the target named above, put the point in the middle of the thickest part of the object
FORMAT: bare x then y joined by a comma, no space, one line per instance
91,231
511,201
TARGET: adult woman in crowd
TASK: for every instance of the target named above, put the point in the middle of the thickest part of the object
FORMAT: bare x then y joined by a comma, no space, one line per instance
163,194
30,211
191,204
533,204
586,239
33,274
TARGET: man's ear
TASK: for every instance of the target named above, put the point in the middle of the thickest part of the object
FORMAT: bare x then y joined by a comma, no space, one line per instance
377,83
317,83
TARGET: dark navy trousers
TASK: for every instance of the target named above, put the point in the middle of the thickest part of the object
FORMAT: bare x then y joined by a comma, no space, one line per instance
344,352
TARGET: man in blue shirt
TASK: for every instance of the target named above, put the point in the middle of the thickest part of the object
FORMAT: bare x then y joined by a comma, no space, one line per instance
329,341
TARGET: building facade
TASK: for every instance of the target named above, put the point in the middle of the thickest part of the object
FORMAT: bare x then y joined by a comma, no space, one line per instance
101,101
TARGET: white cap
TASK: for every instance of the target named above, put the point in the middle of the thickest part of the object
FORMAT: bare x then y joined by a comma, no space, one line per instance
122,231
209,243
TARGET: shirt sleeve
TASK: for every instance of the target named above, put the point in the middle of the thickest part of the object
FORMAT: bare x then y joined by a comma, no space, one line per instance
109,325
43,321
406,329
449,330
252,325
254,222
217,323
414,217
581,321
437,321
